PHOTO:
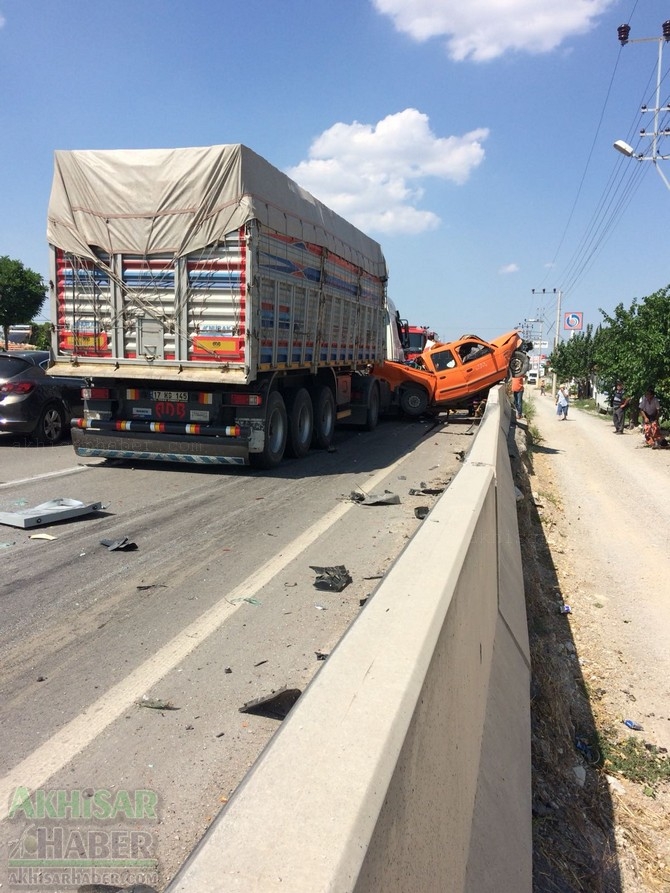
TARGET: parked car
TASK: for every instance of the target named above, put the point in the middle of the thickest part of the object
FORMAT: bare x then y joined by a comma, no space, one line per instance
457,374
34,403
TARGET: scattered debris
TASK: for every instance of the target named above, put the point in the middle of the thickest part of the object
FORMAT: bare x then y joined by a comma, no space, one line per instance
122,545
156,704
460,455
41,678
590,754
219,734
421,512
228,670
6,545
41,536
276,705
362,601
60,509
385,498
427,491
321,607
375,577
635,726
334,579
249,600
321,655
580,775
260,663
143,587
565,609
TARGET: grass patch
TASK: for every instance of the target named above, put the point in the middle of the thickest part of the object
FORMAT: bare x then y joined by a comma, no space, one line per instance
633,759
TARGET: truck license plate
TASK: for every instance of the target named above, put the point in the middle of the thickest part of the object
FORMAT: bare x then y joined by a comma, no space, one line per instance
169,396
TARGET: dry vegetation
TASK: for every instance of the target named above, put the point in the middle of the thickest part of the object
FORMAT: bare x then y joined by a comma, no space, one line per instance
601,800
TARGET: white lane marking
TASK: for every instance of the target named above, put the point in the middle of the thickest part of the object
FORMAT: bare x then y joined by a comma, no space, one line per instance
47,474
55,753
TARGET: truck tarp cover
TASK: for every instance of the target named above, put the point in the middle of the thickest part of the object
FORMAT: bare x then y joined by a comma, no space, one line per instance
175,201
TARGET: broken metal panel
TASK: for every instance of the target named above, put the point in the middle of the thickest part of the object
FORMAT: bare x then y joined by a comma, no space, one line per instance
54,510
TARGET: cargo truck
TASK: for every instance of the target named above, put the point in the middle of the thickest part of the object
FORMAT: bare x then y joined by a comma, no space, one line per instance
218,312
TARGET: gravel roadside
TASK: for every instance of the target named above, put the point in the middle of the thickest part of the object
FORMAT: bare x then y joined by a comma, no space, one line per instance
594,525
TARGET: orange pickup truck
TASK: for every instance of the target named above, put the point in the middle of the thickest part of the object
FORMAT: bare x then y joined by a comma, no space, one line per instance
456,374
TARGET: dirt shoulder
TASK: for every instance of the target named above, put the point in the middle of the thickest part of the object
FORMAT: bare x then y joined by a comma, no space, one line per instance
593,520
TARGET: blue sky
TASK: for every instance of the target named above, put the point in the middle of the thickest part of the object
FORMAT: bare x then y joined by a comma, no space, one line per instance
472,139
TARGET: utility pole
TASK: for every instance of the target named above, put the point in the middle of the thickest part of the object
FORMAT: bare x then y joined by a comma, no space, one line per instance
654,155
558,293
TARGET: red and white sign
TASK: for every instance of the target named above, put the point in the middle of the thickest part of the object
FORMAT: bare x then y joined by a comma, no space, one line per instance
573,322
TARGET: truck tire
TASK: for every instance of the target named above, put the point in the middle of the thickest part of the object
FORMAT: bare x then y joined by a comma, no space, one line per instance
324,418
519,364
413,401
276,432
372,411
300,423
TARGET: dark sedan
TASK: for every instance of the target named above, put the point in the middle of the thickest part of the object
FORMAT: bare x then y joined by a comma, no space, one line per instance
34,403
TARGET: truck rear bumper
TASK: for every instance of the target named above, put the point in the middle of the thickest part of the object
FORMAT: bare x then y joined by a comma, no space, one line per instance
189,450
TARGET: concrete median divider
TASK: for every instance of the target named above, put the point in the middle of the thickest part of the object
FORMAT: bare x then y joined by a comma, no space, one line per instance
405,765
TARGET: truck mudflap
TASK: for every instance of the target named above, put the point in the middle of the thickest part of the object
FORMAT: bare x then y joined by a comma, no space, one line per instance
159,447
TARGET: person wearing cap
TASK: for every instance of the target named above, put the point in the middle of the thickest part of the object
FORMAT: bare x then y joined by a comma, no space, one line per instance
619,403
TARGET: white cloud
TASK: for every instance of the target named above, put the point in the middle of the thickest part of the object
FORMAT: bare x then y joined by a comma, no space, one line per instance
372,174
508,268
485,29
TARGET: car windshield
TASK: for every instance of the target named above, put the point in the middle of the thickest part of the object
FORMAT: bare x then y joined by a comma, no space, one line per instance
11,366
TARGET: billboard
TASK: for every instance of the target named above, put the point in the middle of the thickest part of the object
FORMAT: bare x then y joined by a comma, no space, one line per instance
573,321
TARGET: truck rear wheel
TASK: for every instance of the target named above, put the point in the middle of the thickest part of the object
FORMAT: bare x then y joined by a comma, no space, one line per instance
324,418
413,401
300,424
372,413
276,431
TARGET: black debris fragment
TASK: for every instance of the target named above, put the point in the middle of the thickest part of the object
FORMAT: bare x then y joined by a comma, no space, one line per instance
421,511
427,491
321,655
334,579
124,544
276,705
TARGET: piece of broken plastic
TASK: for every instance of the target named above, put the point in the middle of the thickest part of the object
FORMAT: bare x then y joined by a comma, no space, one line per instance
333,579
421,512
275,705
124,544
60,509
385,498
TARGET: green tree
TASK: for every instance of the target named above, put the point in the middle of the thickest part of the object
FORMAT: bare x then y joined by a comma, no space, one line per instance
22,293
634,345
575,358
42,336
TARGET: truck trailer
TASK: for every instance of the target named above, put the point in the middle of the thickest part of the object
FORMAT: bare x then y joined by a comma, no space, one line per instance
218,312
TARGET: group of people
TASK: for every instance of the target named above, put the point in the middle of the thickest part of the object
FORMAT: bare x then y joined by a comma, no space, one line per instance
650,410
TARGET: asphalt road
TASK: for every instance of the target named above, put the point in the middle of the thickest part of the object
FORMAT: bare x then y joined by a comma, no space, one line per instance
124,671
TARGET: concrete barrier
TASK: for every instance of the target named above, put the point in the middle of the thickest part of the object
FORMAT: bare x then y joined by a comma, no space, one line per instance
405,766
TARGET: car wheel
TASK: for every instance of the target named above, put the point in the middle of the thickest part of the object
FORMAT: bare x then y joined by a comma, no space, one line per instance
519,364
413,401
51,426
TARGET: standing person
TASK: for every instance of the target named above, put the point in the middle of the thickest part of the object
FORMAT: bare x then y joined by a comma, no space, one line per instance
562,403
619,403
517,394
651,410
